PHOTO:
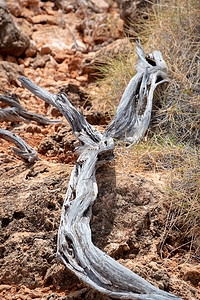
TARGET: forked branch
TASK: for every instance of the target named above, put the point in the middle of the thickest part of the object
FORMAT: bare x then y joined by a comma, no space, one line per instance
133,115
75,248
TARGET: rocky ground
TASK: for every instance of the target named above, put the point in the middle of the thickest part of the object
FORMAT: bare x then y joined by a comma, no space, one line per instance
55,45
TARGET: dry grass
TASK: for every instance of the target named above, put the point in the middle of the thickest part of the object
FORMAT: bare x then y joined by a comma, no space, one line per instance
114,77
179,165
174,135
152,154
176,34
184,212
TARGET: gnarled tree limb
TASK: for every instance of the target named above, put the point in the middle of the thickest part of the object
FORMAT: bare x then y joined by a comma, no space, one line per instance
75,248
18,113
12,115
25,151
133,115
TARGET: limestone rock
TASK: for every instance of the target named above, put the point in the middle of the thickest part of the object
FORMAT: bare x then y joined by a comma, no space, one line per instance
32,49
63,67
40,61
19,7
24,25
45,19
45,49
9,72
59,39
14,7
12,40
52,64
191,273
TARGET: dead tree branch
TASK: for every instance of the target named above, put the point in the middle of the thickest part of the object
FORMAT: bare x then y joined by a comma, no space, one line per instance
25,151
75,248
17,113
133,115
11,115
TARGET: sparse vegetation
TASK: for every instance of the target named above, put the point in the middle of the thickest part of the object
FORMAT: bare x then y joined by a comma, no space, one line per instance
116,74
171,144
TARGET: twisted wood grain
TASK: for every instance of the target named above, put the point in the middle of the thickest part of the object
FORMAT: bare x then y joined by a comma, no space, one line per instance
75,248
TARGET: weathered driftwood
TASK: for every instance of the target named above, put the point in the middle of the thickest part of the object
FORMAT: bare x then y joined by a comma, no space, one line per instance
25,151
12,115
75,248
18,114
133,115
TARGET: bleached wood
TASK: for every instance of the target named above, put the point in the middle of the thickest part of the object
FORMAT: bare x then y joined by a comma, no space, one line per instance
133,115
25,151
19,114
12,115
75,248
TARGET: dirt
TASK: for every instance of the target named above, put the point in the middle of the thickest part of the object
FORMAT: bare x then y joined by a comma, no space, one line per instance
130,212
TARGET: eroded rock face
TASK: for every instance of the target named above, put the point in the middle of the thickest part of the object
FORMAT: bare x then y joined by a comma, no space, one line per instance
127,223
12,40
30,213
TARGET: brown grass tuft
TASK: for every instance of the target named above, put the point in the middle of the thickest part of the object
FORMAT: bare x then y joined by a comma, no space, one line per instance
171,144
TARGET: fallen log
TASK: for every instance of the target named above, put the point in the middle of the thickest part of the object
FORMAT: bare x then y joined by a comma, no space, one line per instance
75,248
